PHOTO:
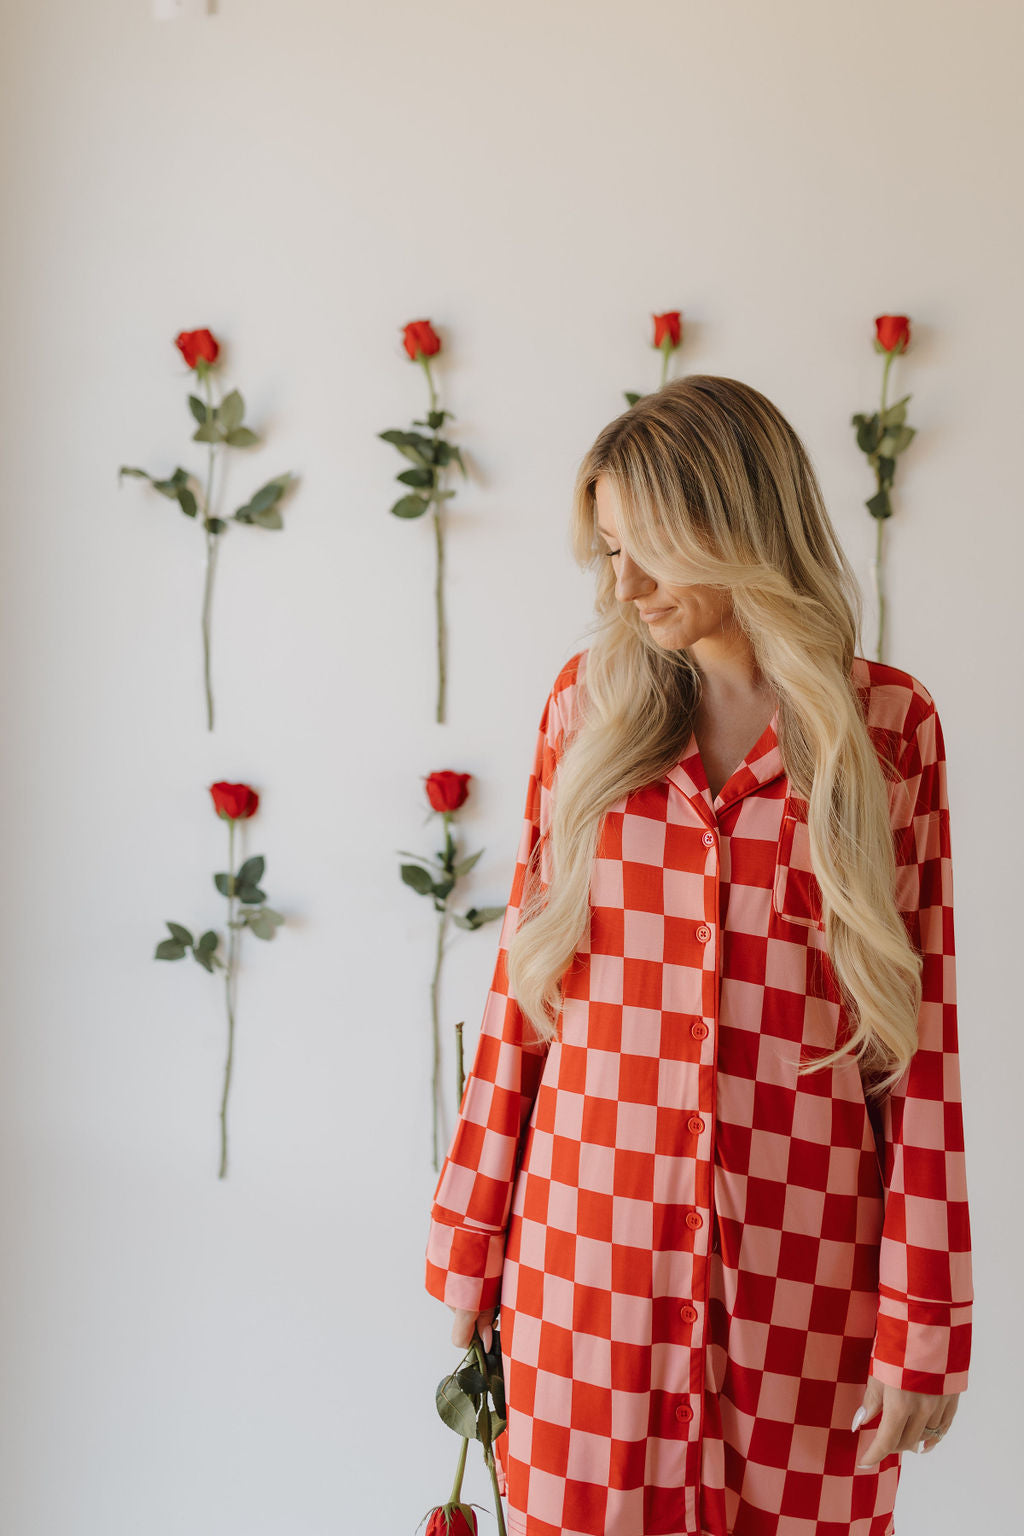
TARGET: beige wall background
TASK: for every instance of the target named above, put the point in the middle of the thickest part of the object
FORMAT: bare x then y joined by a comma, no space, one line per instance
257,1355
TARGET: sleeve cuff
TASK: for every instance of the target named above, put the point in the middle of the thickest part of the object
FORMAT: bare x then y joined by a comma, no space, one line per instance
922,1346
464,1266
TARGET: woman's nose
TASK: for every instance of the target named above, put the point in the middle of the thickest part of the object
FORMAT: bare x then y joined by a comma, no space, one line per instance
632,581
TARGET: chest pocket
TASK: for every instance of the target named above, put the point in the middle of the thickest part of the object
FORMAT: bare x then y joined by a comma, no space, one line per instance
796,894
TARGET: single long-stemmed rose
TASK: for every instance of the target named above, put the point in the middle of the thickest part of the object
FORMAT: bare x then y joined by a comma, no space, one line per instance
668,336
221,426
437,878
246,909
430,458
882,437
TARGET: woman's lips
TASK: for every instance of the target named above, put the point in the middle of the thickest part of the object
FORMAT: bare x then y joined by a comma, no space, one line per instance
656,613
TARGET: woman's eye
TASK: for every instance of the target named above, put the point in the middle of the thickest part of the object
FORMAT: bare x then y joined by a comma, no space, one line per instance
611,553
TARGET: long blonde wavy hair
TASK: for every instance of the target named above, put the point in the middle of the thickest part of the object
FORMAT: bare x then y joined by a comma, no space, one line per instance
714,486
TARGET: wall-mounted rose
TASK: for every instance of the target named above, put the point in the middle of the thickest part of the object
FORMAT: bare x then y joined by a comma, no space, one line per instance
882,437
247,909
668,336
430,457
437,878
221,426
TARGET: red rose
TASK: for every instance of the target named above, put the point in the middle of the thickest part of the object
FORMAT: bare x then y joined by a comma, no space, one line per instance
420,336
452,1520
446,791
668,324
891,330
196,345
234,802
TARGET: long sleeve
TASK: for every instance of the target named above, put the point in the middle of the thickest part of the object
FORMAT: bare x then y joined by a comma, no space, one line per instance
472,1200
923,1330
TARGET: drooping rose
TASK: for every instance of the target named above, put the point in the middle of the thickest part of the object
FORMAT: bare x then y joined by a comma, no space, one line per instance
420,336
891,331
234,802
197,345
669,324
452,1520
446,791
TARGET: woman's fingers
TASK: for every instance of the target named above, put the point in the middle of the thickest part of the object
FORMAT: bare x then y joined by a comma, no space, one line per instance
464,1324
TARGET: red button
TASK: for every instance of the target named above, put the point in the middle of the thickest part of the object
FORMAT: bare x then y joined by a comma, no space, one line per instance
684,1413
688,1313
709,838
695,1123
698,1030
703,932
694,1219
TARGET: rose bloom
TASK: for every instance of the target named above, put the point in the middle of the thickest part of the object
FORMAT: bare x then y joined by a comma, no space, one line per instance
234,802
462,1521
668,324
420,336
446,791
890,330
194,345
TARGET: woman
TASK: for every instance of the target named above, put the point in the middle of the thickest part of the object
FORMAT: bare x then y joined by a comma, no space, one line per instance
709,1156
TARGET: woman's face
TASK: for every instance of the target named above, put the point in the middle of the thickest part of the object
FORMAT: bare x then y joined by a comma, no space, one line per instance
677,617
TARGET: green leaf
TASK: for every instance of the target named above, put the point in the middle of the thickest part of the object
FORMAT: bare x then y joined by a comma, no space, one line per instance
456,1408
198,408
169,949
224,884
128,469
422,477
880,506
270,517
490,914
241,437
268,494
895,415
868,433
467,865
251,872
410,506
471,1379
205,959
207,433
275,917
181,934
411,444
262,926
419,879
895,442
187,501
444,886
207,941
216,524
230,412
631,398
250,894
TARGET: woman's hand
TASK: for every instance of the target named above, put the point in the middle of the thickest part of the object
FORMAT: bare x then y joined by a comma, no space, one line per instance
905,1416
465,1322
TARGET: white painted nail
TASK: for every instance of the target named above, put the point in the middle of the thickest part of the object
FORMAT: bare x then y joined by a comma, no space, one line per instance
859,1417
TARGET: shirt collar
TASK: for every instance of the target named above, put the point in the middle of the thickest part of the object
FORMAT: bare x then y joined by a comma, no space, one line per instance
762,764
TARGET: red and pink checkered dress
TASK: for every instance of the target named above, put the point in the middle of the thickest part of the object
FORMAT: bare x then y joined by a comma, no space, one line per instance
701,1257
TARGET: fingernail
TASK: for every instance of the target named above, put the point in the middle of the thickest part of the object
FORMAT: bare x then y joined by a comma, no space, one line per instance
488,1336
859,1418
920,1446
865,1464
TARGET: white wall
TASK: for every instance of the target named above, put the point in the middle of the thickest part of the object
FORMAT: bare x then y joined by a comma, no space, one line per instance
258,1355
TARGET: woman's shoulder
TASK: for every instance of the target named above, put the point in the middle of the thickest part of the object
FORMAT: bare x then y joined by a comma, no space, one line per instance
896,703
565,689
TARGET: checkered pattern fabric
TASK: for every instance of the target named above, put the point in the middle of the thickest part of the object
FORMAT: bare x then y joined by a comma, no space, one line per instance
700,1256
